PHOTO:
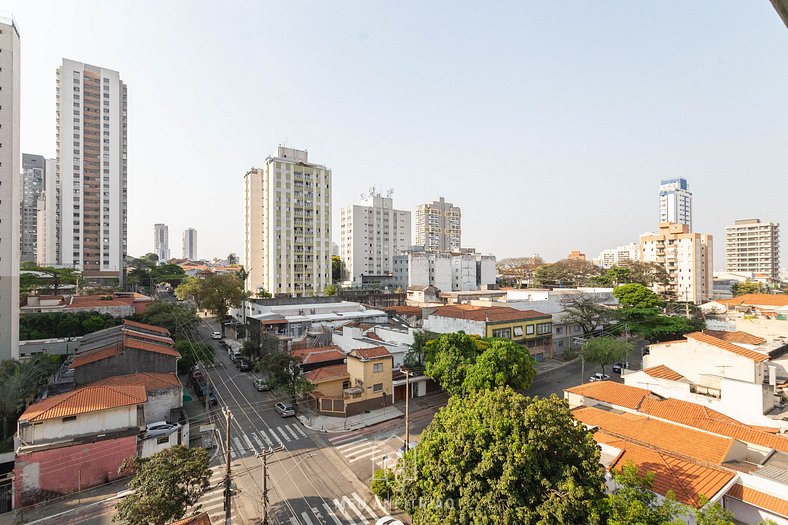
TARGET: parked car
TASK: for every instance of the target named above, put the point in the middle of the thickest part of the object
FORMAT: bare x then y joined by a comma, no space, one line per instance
160,428
199,389
261,385
212,399
217,335
244,365
285,410
236,355
599,376
388,520
619,367
197,375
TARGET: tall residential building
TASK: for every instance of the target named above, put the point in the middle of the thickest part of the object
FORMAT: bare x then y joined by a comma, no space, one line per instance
91,145
439,226
287,210
687,257
33,182
190,244
371,234
447,271
48,217
675,202
618,256
753,246
161,241
9,189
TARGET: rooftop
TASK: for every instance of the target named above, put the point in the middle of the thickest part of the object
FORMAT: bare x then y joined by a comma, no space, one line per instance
736,337
199,519
756,299
613,393
327,373
320,354
778,505
84,400
663,372
490,314
152,381
758,357
366,354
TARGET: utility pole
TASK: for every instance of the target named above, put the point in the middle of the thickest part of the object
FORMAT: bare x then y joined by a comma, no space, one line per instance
407,409
264,473
227,493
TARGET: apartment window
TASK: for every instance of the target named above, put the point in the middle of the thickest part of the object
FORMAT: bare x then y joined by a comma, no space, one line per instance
377,367
518,331
69,418
377,387
544,328
529,329
505,333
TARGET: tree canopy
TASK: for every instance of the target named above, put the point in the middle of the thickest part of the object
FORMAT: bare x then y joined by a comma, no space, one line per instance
566,273
284,371
191,353
502,458
20,383
48,325
645,273
605,351
449,357
179,319
748,287
164,485
35,279
635,295
586,311
634,502
216,292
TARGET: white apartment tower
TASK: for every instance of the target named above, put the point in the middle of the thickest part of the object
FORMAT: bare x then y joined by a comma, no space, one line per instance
9,189
619,256
371,234
439,226
92,171
675,202
161,241
190,244
48,217
687,257
753,246
287,212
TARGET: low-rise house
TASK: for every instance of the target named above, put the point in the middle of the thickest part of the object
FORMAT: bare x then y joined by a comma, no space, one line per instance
164,392
528,327
117,304
319,357
768,305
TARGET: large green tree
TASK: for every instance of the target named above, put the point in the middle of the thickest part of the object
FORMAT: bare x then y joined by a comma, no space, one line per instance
192,353
634,503
37,279
567,273
284,372
217,293
450,356
635,295
502,458
164,485
605,351
63,324
20,384
503,363
336,268
587,311
747,287
179,319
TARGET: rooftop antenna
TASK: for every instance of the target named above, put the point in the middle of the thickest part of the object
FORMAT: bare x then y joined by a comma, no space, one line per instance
389,192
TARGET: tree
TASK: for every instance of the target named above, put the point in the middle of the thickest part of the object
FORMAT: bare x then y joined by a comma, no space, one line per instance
605,351
330,290
747,287
284,371
179,319
217,293
414,358
164,485
713,514
449,357
232,259
503,363
191,287
21,383
63,324
567,273
635,295
633,502
336,268
192,353
51,279
652,326
382,484
586,311
522,268
502,458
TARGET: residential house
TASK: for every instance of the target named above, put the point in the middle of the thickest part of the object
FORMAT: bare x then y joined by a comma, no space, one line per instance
117,304
528,327
319,357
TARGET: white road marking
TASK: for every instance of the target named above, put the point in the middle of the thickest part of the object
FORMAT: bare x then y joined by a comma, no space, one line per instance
364,455
295,436
341,508
364,505
306,518
283,434
355,444
300,430
349,503
265,437
238,446
257,440
294,521
330,513
341,439
249,442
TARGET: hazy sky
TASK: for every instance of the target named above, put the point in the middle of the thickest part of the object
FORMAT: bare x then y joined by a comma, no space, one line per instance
549,123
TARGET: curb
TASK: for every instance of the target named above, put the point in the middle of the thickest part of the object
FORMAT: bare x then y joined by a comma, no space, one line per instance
559,367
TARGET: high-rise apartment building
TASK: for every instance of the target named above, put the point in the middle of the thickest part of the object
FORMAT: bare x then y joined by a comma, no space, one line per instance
190,244
9,189
753,246
371,234
33,183
48,217
675,202
287,242
687,258
618,256
161,241
91,146
439,226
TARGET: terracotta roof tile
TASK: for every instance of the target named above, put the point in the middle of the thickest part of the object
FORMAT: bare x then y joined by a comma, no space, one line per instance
490,314
663,372
756,299
758,357
84,400
96,301
736,337
149,327
96,355
759,499
327,373
200,519
370,353
405,310
374,336
152,381
320,354
688,480
613,393
113,349
668,437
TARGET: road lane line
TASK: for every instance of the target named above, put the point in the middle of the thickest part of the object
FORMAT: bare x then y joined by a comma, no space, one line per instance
295,436
300,430
333,516
265,437
349,503
259,443
364,505
340,439
341,508
294,521
356,444
362,456
283,434
239,447
249,442
306,518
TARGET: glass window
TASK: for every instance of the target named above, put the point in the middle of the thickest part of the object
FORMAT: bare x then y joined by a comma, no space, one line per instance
529,329
378,387
518,331
377,367
504,333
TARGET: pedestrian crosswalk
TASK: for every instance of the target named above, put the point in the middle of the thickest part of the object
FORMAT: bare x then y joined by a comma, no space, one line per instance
355,448
345,510
247,443
212,501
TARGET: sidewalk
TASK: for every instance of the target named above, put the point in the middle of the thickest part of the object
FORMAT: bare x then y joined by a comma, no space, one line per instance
552,364
329,424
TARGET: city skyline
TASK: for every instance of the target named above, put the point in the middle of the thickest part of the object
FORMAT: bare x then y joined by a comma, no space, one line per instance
569,147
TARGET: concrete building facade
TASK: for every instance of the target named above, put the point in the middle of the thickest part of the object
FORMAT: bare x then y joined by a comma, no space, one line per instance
287,210
48,217
92,169
439,226
753,246
675,202
450,272
33,181
618,256
9,189
687,257
190,244
161,241
371,235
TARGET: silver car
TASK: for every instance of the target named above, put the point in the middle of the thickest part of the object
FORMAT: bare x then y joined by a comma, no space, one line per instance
160,428
285,410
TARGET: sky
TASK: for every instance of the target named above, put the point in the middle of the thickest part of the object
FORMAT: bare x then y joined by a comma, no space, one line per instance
550,124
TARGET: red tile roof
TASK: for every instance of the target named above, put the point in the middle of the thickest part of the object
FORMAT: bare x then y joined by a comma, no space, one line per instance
149,327
730,347
152,381
736,337
760,499
84,400
374,336
658,434
613,393
319,354
200,519
370,353
327,373
688,480
663,372
757,299
409,311
96,301
115,348
490,314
